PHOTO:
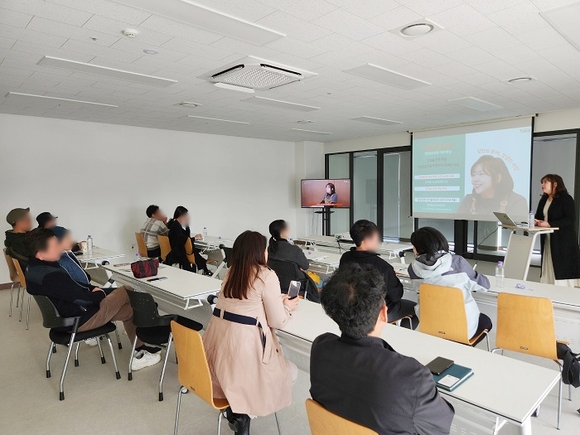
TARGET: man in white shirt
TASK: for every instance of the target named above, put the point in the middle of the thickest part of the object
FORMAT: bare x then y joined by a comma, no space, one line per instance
153,227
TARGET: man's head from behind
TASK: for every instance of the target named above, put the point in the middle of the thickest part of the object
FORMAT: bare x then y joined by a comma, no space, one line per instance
20,220
153,211
46,220
365,234
43,244
354,298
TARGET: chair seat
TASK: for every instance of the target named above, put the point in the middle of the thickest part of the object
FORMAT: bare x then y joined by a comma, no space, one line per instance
154,335
63,337
220,403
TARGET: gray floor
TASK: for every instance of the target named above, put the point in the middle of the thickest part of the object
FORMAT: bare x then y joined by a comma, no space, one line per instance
97,403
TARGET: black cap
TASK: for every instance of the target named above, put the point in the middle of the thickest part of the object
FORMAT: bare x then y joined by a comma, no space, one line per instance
44,217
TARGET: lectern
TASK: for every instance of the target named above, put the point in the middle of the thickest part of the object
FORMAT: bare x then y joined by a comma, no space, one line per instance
519,250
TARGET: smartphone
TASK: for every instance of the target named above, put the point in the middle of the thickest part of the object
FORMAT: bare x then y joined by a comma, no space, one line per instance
439,365
294,289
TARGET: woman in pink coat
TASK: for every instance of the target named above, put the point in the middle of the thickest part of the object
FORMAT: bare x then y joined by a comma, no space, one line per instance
246,361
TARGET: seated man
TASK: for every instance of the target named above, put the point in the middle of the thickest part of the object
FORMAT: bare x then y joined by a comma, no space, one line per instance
358,376
365,234
21,223
155,225
95,306
46,220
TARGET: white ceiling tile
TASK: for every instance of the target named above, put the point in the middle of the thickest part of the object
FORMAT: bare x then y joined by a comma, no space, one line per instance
13,18
491,39
293,27
519,19
304,9
31,36
395,18
339,43
477,78
471,55
490,6
499,69
367,8
67,31
560,53
196,49
6,43
442,42
44,9
542,38
392,44
426,56
115,29
296,47
108,9
248,10
132,46
462,20
431,7
357,28
95,50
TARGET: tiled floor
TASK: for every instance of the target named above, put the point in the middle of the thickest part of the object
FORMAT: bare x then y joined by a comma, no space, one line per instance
97,403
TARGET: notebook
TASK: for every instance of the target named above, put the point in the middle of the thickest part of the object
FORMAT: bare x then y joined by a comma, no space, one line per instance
453,377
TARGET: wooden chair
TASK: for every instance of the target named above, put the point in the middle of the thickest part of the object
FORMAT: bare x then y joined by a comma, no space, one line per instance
141,246
443,315
189,252
22,280
323,422
164,246
525,324
14,281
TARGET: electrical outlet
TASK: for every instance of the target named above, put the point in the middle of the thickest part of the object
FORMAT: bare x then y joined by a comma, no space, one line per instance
133,247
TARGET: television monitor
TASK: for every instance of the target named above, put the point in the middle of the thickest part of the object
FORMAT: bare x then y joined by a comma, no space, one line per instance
326,193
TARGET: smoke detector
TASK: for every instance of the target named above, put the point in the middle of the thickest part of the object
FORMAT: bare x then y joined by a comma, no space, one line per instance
130,33
258,74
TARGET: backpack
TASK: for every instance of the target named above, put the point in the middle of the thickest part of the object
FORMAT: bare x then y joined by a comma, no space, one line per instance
571,370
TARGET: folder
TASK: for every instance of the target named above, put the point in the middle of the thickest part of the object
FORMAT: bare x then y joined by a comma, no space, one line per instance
453,377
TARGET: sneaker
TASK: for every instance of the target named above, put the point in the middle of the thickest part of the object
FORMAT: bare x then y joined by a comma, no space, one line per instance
91,342
144,359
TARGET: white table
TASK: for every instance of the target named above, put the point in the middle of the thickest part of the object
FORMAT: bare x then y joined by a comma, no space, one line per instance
325,262
391,250
212,243
501,390
92,259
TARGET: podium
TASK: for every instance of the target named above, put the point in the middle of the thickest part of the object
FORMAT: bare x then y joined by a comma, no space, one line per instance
519,250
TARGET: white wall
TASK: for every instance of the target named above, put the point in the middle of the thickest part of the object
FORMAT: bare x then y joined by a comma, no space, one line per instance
309,164
99,178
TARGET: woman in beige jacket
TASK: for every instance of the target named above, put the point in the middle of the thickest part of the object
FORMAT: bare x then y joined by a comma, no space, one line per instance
246,361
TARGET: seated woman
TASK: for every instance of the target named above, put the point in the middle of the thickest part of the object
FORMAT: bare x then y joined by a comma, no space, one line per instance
179,233
244,356
281,250
436,265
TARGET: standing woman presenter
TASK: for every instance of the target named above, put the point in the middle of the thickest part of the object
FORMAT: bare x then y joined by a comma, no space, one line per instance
560,252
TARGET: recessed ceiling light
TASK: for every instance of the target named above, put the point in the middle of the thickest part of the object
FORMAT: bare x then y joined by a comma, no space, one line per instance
375,120
188,104
386,76
150,51
233,88
207,118
475,104
281,104
416,29
65,100
516,80
312,131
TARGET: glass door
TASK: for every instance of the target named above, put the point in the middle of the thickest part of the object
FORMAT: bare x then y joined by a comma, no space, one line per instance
397,220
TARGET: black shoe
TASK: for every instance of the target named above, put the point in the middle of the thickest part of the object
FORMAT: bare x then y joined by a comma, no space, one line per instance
207,272
239,423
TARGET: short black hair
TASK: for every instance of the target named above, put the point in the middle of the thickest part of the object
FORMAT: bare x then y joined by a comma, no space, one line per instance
353,298
429,241
37,240
151,210
361,230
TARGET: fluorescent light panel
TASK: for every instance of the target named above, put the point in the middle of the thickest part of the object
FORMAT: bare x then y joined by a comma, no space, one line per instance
374,120
281,104
207,118
236,88
105,71
67,100
565,20
386,76
206,18
312,131
475,104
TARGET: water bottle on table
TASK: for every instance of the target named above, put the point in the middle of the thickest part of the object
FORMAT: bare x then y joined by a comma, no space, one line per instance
89,244
531,220
499,275
204,234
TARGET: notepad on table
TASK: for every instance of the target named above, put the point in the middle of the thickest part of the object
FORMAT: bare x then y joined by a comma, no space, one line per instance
453,377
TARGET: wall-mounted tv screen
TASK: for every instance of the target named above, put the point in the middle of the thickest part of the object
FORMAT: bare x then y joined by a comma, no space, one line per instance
326,193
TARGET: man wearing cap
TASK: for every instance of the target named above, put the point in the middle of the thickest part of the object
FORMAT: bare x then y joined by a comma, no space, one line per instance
21,223
46,220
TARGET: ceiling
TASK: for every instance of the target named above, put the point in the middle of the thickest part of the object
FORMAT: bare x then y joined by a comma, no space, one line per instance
483,44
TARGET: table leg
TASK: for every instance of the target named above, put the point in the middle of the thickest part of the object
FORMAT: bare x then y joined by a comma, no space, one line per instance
526,427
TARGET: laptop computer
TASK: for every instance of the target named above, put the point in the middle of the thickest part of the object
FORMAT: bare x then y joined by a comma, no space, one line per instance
506,220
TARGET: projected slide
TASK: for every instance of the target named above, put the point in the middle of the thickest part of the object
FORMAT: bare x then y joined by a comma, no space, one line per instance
471,175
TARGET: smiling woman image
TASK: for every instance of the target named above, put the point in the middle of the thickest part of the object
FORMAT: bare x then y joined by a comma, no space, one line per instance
560,253
493,190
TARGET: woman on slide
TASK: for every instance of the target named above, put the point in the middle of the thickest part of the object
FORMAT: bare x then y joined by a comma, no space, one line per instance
493,190
560,253
330,197
244,355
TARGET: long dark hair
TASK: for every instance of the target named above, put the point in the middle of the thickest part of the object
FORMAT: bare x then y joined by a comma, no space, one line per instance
275,229
428,242
332,188
560,186
496,168
179,211
248,258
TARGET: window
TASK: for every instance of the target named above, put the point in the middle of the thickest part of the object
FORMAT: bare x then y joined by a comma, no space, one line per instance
339,167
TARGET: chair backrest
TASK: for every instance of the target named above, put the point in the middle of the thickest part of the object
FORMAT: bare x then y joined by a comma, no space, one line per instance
19,272
141,246
323,422
443,312
164,246
286,271
189,253
525,324
11,268
193,371
227,253
50,316
145,314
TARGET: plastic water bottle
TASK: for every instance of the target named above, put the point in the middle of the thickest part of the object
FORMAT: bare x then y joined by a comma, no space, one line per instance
499,274
291,240
89,243
204,233
531,220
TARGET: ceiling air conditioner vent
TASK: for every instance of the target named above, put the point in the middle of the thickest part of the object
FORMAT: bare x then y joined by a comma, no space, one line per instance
258,74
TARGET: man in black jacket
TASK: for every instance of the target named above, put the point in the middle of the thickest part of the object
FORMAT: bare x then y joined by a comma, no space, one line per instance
365,235
19,219
358,376
95,306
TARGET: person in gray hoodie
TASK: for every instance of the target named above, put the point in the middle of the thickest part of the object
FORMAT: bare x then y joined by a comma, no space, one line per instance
436,265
